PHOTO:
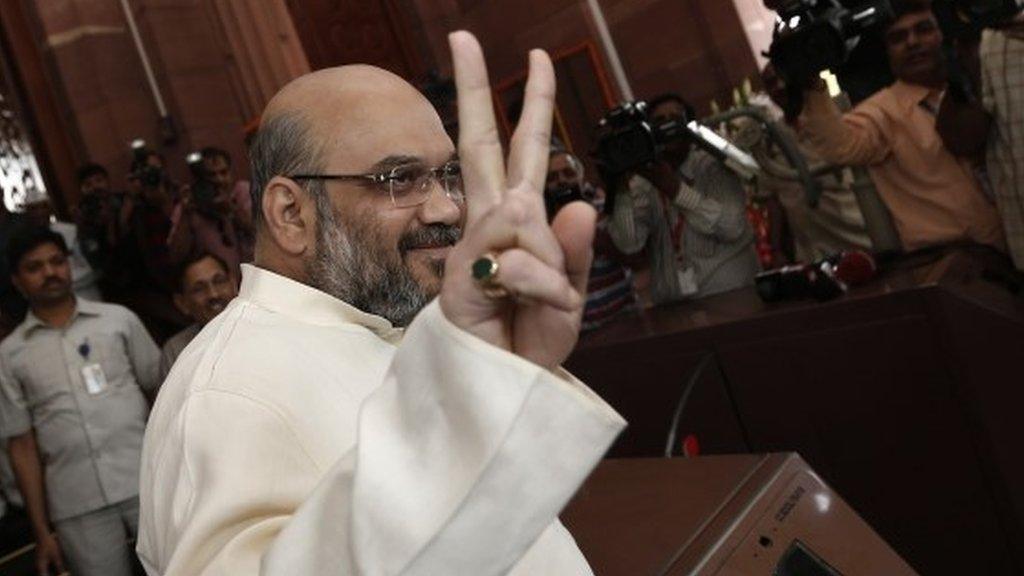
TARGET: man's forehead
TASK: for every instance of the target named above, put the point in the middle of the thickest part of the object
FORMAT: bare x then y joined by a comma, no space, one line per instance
202,269
910,20
43,251
370,130
667,107
361,115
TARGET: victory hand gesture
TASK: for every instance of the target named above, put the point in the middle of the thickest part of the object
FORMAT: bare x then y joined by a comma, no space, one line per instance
514,280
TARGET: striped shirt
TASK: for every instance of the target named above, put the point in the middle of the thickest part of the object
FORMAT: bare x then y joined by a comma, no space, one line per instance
1002,68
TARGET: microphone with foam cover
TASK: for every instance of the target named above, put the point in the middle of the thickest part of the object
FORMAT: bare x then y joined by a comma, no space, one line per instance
855,267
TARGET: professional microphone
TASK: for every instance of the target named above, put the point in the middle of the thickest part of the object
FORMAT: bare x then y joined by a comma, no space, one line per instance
735,159
855,267
822,280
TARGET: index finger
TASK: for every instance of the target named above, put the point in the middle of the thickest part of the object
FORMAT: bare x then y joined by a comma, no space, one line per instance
480,154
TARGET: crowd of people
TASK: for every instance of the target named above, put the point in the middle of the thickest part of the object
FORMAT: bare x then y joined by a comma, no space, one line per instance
909,168
84,304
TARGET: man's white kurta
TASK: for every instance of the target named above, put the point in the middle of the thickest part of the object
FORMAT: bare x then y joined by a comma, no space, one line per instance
295,435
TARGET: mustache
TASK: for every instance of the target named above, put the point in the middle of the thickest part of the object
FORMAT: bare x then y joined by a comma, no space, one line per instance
433,235
54,282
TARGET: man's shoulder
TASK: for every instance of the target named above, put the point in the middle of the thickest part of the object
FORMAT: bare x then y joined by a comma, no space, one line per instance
884,100
250,350
178,342
14,340
108,311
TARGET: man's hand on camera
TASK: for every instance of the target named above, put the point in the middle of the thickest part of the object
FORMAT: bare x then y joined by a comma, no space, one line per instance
662,176
543,268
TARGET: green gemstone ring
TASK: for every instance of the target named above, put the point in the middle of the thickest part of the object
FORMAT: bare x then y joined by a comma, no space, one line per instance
485,273
485,268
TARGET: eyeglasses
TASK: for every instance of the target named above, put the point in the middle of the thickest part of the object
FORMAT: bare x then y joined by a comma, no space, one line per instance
408,185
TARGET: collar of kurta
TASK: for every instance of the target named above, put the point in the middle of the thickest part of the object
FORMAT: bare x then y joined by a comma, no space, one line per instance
82,308
307,304
910,95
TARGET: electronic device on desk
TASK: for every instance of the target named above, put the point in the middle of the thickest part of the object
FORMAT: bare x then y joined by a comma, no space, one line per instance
744,515
822,280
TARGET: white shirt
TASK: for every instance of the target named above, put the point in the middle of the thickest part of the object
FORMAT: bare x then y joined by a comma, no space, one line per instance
296,436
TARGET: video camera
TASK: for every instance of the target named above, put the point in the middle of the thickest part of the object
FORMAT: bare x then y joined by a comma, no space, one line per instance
816,35
203,191
150,176
627,140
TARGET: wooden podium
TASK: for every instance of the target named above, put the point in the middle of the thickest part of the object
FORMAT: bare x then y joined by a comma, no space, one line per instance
749,515
904,395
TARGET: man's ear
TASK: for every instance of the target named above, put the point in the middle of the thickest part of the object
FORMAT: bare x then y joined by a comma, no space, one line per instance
181,304
288,216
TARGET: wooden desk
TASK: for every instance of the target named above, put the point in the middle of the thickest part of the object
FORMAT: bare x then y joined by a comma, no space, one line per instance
905,395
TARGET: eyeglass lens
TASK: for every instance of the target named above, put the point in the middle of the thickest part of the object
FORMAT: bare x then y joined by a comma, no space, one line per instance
411,185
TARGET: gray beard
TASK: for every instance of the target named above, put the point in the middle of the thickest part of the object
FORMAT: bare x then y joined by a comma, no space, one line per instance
353,263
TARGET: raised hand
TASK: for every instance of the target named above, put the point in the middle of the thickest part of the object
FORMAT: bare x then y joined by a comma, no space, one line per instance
543,268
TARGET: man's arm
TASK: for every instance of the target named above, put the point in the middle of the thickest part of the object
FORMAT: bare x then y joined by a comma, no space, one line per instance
716,204
180,238
29,472
629,224
465,456
853,139
143,354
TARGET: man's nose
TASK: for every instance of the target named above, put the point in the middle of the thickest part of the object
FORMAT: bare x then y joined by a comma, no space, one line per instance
440,208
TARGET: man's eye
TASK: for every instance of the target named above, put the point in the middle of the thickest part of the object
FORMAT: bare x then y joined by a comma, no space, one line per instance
405,177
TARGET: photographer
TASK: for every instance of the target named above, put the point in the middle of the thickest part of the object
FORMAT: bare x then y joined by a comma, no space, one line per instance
96,215
610,286
934,198
689,212
142,276
992,126
209,219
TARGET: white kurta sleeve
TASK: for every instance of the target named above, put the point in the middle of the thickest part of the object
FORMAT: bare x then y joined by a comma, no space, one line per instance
465,456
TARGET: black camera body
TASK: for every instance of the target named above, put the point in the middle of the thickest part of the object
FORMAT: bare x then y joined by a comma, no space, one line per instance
202,190
150,176
816,35
627,139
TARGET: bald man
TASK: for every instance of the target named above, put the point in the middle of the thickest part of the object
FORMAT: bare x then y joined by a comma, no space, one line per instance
384,396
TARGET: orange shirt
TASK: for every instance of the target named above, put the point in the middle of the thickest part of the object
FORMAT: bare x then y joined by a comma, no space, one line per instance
934,197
